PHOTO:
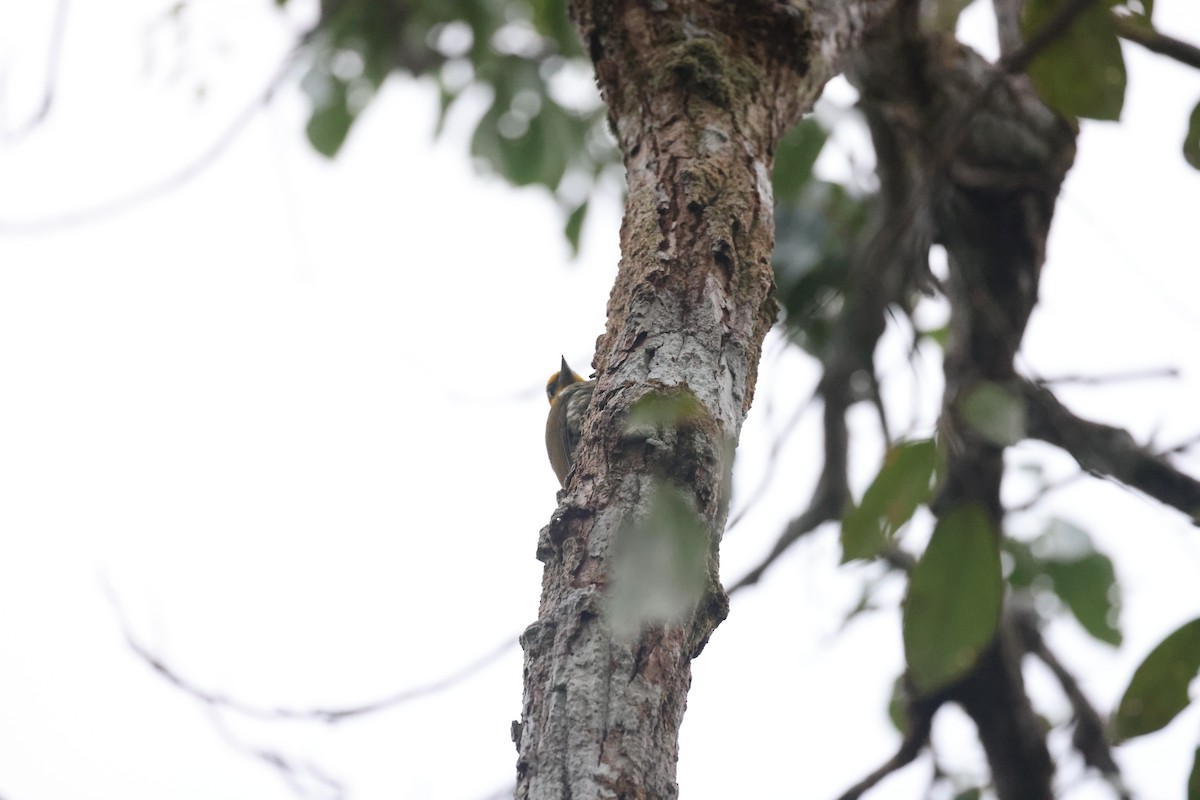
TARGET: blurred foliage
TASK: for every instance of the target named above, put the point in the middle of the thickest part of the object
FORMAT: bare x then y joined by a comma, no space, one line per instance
994,413
817,224
953,601
539,127
903,483
1159,688
544,124
1063,561
1082,72
1191,144
660,563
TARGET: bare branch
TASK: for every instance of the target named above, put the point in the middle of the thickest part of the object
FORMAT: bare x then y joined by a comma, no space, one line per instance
919,724
898,558
219,700
828,500
304,778
1098,380
1185,445
53,59
1044,491
1090,737
772,458
1107,450
179,178
1160,43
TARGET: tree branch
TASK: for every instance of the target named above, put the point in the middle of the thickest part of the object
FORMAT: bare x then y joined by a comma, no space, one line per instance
948,139
303,777
1090,737
180,177
828,499
920,723
224,702
1108,450
1150,373
53,58
1155,42
772,458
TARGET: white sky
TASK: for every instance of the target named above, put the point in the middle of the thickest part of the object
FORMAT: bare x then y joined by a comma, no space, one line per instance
291,413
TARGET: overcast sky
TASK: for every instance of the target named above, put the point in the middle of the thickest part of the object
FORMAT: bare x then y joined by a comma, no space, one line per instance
291,414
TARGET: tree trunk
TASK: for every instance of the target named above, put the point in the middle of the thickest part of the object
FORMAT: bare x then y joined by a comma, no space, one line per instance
699,93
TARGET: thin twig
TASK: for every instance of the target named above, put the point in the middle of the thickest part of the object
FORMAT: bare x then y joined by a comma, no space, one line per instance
828,499
324,715
303,777
1156,42
180,177
772,458
1043,491
915,737
1090,737
1186,444
1108,450
53,59
1147,374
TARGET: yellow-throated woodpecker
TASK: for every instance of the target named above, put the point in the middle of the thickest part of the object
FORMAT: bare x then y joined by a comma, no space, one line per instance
569,396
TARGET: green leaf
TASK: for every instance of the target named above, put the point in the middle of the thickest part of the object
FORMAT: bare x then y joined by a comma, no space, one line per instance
1081,73
1080,576
574,227
328,126
1193,786
1191,143
446,98
331,116
898,705
1159,688
536,154
903,483
1084,579
1025,565
953,602
813,253
995,413
794,159
550,17
1088,586
659,564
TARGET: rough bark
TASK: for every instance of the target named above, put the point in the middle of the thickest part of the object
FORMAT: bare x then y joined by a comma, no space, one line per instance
699,93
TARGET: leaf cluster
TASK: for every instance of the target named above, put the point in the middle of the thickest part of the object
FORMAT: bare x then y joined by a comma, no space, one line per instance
816,223
1082,72
537,128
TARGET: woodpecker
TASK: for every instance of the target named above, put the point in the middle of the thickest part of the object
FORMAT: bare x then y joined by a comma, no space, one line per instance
569,396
